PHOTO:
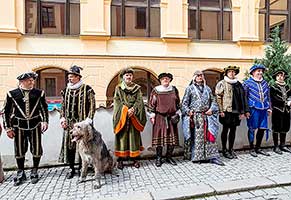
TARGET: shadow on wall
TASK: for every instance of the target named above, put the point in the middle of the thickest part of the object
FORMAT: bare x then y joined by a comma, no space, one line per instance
52,139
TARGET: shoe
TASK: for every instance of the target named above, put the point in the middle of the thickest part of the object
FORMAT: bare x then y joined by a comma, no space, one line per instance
196,162
253,153
285,149
159,162
259,151
226,154
71,174
231,152
136,164
277,150
34,176
120,165
171,161
217,161
20,178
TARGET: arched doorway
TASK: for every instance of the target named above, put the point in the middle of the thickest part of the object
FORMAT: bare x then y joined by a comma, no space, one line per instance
212,76
52,80
142,77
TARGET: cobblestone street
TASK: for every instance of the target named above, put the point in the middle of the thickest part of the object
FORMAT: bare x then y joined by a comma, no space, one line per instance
239,179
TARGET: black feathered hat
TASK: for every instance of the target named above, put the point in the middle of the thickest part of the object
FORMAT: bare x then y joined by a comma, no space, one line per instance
75,70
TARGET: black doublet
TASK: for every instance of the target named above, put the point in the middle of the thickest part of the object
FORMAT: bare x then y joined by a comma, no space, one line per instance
25,113
280,95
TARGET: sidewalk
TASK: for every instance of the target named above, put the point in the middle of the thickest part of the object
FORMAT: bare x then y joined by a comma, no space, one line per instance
186,180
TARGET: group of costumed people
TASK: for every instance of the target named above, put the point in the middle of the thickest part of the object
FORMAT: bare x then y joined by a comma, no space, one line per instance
25,117
201,111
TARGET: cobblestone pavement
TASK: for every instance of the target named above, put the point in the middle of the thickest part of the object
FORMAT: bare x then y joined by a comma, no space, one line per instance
160,182
277,193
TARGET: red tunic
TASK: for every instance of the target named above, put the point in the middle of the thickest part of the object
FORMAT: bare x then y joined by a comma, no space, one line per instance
164,104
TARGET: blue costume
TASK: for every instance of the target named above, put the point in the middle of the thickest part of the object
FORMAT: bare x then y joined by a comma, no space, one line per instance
258,95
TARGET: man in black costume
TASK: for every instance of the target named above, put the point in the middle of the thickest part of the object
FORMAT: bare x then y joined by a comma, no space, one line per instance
25,119
77,105
280,100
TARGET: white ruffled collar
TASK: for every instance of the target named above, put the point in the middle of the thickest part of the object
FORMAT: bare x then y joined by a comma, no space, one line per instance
162,88
281,83
75,86
231,81
258,80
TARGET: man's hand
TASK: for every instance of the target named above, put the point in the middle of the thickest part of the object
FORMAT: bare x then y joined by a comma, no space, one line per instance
11,134
247,115
130,112
64,124
269,112
190,113
152,120
222,114
44,126
208,112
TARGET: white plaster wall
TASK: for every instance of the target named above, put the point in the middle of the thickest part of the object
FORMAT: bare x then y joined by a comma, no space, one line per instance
52,139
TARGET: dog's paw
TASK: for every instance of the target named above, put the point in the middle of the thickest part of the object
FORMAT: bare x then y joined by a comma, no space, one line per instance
97,187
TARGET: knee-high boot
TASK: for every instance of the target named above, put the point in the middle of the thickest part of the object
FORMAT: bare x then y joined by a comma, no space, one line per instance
260,135
159,151
282,143
20,176
34,174
169,153
71,159
276,147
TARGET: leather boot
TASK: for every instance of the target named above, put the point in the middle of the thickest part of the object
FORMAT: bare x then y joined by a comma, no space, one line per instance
169,153
159,151
232,153
20,178
34,176
285,149
226,154
277,150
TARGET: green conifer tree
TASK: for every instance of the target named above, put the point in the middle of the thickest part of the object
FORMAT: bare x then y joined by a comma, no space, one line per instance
276,57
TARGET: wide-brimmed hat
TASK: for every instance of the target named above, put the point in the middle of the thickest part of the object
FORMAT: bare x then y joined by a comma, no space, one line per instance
75,70
164,74
278,71
257,66
126,71
231,67
27,75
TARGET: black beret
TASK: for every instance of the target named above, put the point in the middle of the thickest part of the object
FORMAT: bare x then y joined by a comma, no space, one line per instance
162,75
27,75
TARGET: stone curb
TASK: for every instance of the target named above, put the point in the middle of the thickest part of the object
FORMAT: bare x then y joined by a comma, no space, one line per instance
202,190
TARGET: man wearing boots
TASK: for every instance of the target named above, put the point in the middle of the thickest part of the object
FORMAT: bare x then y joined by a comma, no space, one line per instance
164,106
77,105
258,95
25,119
281,101
233,106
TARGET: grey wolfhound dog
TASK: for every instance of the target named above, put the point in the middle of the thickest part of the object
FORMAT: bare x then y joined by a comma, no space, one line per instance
92,150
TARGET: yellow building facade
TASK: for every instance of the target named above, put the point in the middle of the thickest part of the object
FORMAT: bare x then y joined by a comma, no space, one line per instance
151,36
